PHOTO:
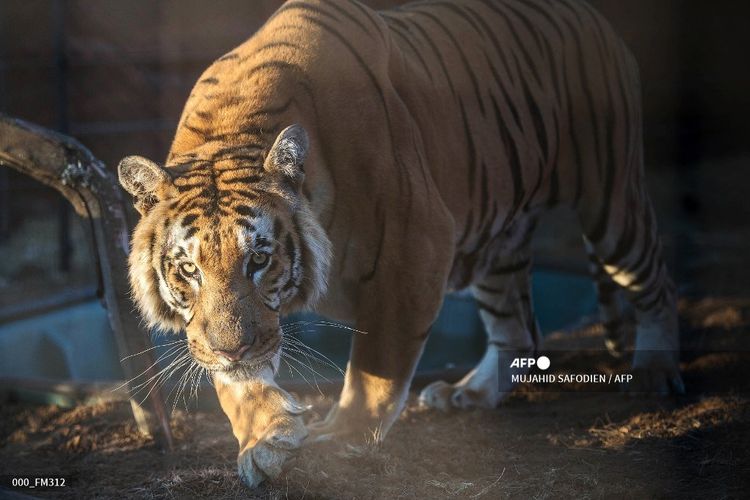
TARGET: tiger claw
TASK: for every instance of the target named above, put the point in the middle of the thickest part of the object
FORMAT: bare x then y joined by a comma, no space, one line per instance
266,459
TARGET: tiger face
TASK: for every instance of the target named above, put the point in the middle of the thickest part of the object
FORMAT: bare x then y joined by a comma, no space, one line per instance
224,246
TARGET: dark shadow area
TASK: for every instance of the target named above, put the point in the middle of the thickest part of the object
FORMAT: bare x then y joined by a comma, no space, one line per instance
570,442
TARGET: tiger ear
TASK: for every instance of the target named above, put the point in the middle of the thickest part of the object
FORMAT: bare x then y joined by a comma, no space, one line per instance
287,155
146,181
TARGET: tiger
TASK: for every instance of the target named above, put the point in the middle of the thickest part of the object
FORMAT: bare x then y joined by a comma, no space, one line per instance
364,163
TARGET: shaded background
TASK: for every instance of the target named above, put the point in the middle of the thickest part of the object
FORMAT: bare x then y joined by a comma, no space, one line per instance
116,74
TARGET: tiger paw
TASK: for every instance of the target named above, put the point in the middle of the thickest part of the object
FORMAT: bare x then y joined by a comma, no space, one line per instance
486,386
353,425
443,396
265,459
655,372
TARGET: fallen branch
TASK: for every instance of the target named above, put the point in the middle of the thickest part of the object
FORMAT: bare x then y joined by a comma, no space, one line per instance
64,164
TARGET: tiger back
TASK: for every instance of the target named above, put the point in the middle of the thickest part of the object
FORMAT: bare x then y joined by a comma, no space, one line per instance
363,163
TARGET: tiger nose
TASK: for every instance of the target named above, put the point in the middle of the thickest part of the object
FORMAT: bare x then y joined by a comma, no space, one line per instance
233,355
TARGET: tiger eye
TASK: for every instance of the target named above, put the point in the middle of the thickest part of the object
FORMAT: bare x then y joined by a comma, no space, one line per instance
256,262
188,268
259,258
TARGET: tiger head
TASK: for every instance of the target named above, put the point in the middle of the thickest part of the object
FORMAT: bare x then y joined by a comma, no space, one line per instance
225,244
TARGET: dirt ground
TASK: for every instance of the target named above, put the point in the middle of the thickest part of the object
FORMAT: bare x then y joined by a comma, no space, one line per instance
540,444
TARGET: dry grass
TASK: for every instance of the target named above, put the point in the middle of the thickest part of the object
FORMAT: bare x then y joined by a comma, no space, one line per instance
539,445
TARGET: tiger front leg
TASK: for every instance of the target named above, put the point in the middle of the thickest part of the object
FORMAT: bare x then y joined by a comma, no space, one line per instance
396,308
267,422
375,389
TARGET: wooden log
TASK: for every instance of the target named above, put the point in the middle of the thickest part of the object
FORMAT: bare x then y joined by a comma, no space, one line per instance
64,164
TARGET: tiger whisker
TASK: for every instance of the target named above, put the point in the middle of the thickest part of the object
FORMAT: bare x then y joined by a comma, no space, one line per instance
310,358
319,356
186,386
153,347
291,367
172,350
304,323
188,390
163,378
180,386
174,388
196,383
165,373
309,368
162,371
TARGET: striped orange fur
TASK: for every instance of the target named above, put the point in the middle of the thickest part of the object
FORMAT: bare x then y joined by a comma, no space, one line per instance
363,163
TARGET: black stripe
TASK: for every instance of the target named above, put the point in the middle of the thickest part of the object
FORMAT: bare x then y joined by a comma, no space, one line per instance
248,195
163,273
530,27
648,240
520,45
582,79
273,45
543,13
471,149
273,111
255,160
245,224
462,56
467,230
508,101
538,120
646,273
574,140
510,268
366,68
245,210
437,54
302,78
381,243
490,289
483,306
515,163
308,8
414,49
197,130
189,219
460,13
495,42
554,189
625,241
303,291
248,179
349,16
291,252
370,16
600,227
187,187
484,197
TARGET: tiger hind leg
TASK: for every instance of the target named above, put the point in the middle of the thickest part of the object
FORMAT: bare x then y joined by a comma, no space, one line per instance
630,252
615,312
504,299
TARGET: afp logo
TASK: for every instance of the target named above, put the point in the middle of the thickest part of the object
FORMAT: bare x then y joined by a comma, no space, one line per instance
542,362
